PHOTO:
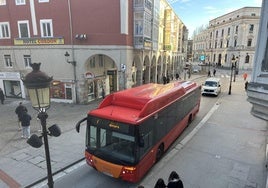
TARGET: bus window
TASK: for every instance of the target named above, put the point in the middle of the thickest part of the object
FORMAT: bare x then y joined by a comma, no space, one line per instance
112,144
147,139
92,141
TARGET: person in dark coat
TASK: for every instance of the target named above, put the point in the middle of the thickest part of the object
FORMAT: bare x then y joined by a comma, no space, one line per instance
25,124
174,180
160,183
19,111
2,96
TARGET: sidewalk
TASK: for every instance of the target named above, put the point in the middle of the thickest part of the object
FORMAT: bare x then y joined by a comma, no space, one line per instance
227,149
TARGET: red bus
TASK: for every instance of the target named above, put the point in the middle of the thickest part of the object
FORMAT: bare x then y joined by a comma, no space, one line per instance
131,129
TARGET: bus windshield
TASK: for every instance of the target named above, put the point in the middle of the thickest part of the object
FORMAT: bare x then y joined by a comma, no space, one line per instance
109,144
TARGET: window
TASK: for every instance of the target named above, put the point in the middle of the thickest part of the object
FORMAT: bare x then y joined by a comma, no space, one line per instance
4,30
2,2
100,60
138,28
222,32
215,44
92,62
7,59
228,32
236,29
235,42
221,44
251,28
249,42
27,61
216,34
253,14
23,29
43,1
247,58
227,43
46,28
20,2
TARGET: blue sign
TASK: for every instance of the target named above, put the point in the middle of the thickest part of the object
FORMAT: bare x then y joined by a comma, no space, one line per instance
202,57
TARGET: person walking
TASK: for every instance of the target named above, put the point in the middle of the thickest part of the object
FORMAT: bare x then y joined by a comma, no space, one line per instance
246,85
160,183
245,75
25,124
209,74
174,180
214,72
19,111
2,96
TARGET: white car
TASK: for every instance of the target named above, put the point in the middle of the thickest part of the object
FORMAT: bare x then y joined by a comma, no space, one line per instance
212,86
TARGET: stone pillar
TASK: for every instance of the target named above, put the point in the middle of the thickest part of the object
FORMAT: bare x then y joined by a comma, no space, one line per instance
258,86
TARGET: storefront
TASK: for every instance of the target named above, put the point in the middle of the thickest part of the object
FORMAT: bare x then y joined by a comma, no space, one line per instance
99,86
61,91
11,84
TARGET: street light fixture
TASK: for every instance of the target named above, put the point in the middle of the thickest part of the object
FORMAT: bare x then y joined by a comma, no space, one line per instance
67,55
232,67
235,70
38,86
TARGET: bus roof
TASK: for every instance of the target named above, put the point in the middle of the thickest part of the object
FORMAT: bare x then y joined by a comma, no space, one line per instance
134,104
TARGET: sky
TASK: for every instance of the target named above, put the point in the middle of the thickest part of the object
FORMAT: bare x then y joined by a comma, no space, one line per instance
195,13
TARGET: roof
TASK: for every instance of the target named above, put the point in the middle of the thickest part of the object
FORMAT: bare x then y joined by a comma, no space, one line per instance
213,79
134,104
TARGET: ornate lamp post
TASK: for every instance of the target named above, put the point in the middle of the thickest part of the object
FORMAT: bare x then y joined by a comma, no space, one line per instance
38,86
235,67
232,67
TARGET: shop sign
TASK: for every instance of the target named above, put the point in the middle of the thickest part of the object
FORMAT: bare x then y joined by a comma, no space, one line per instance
89,75
111,72
9,75
38,41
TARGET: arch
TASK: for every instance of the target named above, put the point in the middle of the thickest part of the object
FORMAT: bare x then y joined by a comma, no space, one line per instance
146,70
100,74
136,71
153,73
159,70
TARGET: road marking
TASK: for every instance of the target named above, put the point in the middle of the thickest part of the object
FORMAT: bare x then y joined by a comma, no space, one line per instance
61,174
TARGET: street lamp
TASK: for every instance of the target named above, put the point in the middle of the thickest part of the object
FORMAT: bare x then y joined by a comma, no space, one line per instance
67,55
232,66
38,86
235,70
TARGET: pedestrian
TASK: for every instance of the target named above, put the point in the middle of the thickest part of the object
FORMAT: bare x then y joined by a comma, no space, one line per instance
214,72
160,183
174,180
168,79
245,75
177,76
20,111
246,85
25,124
209,74
103,93
2,96
164,79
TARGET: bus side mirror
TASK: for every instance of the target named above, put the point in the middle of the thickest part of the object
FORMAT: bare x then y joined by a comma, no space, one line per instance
77,126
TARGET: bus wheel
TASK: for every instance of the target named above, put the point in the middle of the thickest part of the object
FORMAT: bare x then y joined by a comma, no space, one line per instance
190,120
160,152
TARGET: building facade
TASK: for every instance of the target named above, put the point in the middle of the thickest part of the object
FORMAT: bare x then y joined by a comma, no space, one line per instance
258,86
231,35
109,46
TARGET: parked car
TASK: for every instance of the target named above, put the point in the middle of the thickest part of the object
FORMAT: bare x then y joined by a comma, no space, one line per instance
212,86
